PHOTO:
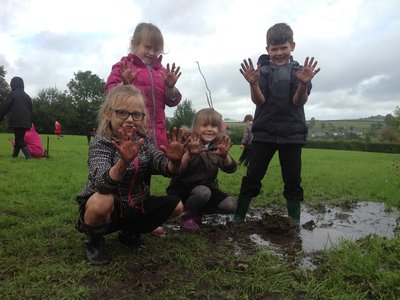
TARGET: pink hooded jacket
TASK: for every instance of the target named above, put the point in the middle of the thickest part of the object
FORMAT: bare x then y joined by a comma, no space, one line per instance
150,81
32,139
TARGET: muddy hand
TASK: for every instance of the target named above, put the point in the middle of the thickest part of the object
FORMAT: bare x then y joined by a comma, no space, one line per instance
127,74
308,71
224,144
194,145
175,149
248,71
172,75
126,146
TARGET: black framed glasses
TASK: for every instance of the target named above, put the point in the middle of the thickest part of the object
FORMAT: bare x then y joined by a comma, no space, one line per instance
124,114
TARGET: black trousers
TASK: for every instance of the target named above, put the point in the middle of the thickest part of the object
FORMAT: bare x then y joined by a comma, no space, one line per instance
244,157
19,134
290,161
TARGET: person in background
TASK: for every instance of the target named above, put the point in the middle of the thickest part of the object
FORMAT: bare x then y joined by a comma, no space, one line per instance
32,139
197,183
116,197
279,87
57,129
143,68
18,107
245,144
90,132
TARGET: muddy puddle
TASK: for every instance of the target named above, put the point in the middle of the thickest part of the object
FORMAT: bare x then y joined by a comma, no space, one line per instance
319,229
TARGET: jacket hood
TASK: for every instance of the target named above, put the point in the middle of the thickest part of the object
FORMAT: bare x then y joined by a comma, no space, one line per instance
137,61
17,83
263,60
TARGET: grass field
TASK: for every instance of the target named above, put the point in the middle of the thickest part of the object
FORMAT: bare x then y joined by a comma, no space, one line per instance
41,252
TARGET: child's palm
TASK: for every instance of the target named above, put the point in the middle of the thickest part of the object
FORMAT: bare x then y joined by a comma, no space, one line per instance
306,73
127,74
224,144
175,150
172,76
126,147
195,147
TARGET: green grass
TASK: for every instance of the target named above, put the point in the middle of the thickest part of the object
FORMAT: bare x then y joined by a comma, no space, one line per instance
41,253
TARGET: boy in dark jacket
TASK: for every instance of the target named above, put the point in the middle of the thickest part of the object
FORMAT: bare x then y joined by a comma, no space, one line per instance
279,87
18,108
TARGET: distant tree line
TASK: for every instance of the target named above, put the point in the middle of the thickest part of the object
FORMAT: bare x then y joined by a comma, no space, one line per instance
77,107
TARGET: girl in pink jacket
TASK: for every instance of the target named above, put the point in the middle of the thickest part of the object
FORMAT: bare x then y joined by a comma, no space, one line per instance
142,68
34,143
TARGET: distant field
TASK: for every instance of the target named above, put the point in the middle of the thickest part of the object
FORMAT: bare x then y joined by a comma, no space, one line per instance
355,124
41,253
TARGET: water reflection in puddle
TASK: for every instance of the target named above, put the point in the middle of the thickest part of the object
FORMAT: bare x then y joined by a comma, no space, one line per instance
337,224
319,230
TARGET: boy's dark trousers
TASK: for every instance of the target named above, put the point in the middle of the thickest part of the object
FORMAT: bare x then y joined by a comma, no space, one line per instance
244,157
261,156
20,144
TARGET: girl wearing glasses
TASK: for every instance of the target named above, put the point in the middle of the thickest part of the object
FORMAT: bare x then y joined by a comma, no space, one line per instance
116,196
142,67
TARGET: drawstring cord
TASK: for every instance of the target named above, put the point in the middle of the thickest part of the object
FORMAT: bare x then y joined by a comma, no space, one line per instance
140,205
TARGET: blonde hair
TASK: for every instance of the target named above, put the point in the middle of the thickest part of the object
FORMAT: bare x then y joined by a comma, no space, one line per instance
205,117
116,98
147,33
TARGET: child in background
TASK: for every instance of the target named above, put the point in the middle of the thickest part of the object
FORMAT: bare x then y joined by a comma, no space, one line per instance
34,143
279,87
57,129
32,139
142,67
246,140
18,108
116,197
197,183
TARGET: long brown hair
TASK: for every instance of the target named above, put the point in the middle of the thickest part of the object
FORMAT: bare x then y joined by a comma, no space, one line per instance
117,98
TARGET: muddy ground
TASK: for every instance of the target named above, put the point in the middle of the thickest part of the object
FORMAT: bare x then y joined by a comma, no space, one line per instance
319,229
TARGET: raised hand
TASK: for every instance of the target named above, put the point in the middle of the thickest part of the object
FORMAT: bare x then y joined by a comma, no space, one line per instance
127,74
175,149
126,146
224,144
249,73
172,76
308,71
194,145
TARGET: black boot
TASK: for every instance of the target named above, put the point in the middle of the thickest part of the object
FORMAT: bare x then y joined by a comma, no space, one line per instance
96,252
131,240
26,152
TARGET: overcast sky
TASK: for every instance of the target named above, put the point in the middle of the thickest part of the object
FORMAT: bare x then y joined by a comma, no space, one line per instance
355,42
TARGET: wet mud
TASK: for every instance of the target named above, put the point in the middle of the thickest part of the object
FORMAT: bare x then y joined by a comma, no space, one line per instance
319,229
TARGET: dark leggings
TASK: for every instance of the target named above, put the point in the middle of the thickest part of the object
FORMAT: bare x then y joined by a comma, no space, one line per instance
290,161
19,134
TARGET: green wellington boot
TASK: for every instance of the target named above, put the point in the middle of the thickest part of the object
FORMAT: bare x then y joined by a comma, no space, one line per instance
293,208
243,204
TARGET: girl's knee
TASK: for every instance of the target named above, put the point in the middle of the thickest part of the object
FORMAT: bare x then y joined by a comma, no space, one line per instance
228,205
178,210
100,204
